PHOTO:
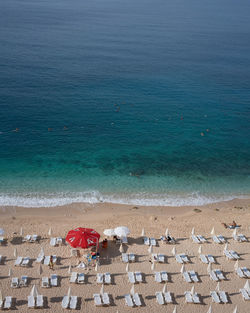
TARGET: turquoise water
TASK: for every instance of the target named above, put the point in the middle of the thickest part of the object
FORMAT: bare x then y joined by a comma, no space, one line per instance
143,102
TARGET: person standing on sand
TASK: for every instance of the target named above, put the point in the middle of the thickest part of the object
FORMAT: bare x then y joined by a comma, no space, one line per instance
51,263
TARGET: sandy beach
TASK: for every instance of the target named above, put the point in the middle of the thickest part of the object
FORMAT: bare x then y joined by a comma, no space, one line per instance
154,220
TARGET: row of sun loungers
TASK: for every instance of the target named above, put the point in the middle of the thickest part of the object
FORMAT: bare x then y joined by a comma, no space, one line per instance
22,261
46,259
198,238
161,277
69,302
231,254
6,303
30,238
219,296
132,300
101,299
35,302
134,277
128,257
182,258
190,276
149,241
50,282
16,283
56,241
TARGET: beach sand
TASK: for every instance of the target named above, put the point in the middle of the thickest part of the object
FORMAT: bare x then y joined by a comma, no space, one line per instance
155,220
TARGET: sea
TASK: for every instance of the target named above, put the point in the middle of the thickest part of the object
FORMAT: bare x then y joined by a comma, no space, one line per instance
141,102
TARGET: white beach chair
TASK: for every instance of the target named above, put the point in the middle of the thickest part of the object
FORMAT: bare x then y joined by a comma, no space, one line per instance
34,238
53,242
196,298
39,258
159,298
46,260
97,299
195,238
14,282
216,239
138,277
215,297
223,296
179,259
131,257
245,294
210,258
2,240
45,282
128,300
23,281
152,241
73,302
221,238
239,272
136,299
186,277
161,258
164,276
242,238
168,297
219,274
234,254
107,278
184,257
204,258
201,238
73,277
39,301
99,278
31,301
105,299
27,238
18,261
131,277
193,276
213,276
7,303
146,241
25,261
228,254
54,280
188,297
81,278
59,241
65,302
158,277
124,257
246,272
1,259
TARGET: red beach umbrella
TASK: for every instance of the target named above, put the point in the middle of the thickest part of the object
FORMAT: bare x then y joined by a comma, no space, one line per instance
82,238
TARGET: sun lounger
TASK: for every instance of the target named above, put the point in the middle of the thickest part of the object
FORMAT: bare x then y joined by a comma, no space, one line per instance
39,301
39,258
33,238
47,259
7,303
246,272
18,261
158,277
152,241
80,278
213,276
159,298
215,297
124,240
240,238
195,239
201,238
99,278
131,277
31,301
184,258
196,298
245,294
107,278
138,277
164,276
186,277
161,258
23,281
73,302
179,259
204,258
239,272
228,255
53,242
219,274
210,258
216,239
221,238
25,261
97,299
136,299
2,240
131,257
188,297
54,280
168,297
26,238
65,302
105,299
45,282
223,296
128,300
234,254
73,277
14,282
193,276
124,257
146,241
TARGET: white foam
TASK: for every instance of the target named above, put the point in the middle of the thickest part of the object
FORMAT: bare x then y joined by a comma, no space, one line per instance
92,197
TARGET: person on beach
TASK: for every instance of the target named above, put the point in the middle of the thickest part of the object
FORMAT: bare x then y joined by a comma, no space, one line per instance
51,263
231,226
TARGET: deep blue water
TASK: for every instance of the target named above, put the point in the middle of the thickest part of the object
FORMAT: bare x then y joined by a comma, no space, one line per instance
126,101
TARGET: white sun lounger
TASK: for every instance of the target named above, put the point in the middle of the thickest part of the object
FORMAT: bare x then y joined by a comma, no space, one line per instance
27,238
210,258
196,298
195,239
219,274
97,299
161,258
215,297
245,294
54,280
152,241
158,277
7,303
164,276
31,301
53,242
45,282
18,261
23,281
131,257
1,259
186,277
239,272
204,258
138,277
124,257
14,282
131,277
25,261
168,297
107,278
159,298
73,302
105,299
223,296
228,255
213,276
33,238
136,299
146,241
128,300
47,259
234,254
201,239
193,276
73,277
65,302
179,259
240,238
246,272
184,258
99,278
80,278
188,297
39,301
216,239
39,258
221,238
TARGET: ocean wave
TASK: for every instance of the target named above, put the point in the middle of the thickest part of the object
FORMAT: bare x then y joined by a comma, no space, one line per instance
94,197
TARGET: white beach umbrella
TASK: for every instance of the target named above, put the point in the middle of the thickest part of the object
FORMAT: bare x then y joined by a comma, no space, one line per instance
153,266
164,289
183,269
236,264
69,292
142,232
132,290
15,252
40,270
217,287
225,248
34,291
210,309
175,309
21,231
96,267
212,231
150,249
200,250
102,290
246,286
109,232
122,231
121,248
50,231
192,291
209,267
10,272
174,251
236,309
1,231
127,267
192,232
69,270
166,232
